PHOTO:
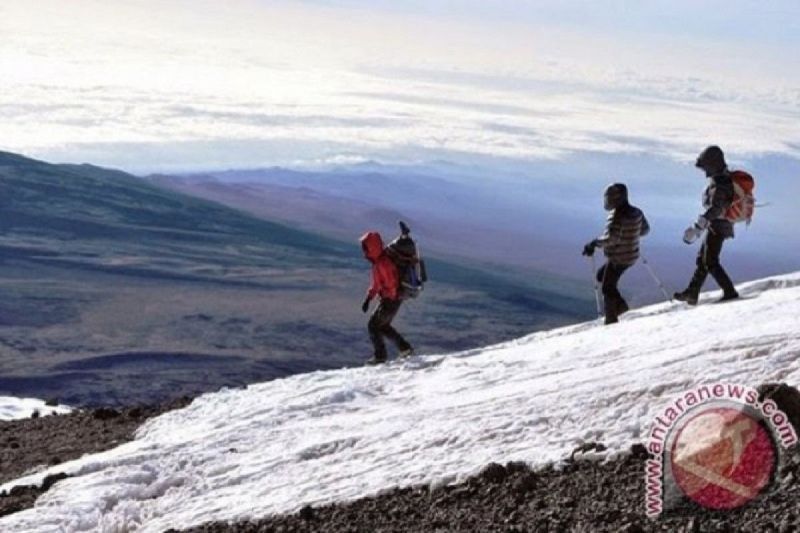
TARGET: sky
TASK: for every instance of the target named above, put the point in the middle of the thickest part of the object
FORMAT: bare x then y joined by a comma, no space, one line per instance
149,85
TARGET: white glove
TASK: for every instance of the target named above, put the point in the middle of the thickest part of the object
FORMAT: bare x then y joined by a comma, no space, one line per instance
691,234
702,223
694,231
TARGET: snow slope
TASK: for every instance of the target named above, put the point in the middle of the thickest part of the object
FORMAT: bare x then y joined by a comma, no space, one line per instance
347,433
12,408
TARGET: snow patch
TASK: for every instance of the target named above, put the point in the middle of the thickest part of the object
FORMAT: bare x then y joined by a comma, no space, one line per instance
12,408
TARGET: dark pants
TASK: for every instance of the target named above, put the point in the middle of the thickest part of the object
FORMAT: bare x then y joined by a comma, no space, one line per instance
708,263
615,304
380,326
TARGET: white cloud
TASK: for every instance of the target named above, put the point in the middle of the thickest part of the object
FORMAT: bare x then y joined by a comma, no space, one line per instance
98,76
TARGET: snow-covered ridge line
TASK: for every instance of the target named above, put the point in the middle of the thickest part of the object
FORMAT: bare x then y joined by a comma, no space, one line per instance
343,434
12,408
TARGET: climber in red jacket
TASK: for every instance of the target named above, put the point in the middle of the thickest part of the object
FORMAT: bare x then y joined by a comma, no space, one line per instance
386,286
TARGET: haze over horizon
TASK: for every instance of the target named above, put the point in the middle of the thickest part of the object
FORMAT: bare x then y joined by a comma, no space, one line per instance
152,86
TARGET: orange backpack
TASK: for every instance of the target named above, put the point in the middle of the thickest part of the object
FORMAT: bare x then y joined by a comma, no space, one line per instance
744,203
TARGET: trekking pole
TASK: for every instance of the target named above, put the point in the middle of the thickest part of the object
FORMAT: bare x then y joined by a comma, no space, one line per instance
593,265
656,279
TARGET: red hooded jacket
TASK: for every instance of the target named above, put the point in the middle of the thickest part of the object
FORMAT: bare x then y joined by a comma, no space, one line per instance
385,278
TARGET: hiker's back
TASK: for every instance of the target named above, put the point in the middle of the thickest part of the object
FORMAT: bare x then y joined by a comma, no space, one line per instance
402,250
404,254
627,223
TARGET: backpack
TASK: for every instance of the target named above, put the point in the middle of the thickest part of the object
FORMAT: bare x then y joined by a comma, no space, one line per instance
405,255
744,203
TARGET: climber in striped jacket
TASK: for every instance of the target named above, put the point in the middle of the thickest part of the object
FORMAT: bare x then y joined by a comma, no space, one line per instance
620,244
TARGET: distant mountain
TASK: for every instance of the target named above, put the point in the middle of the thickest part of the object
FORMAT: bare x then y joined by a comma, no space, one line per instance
533,222
301,207
86,216
116,290
477,221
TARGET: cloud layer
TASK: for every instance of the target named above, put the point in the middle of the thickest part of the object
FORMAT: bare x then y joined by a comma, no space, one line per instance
309,82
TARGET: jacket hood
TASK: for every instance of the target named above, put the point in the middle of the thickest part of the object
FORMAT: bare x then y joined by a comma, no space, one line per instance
616,195
372,245
711,161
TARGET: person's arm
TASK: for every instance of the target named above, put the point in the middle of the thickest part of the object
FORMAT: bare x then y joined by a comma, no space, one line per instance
611,235
645,226
721,198
374,285
372,291
721,195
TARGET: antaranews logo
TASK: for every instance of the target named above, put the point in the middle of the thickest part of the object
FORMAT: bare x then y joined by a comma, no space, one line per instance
717,445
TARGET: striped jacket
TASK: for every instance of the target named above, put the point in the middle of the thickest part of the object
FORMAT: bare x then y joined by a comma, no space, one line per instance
620,241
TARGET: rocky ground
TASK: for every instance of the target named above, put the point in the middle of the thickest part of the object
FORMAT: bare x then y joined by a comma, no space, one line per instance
583,496
39,442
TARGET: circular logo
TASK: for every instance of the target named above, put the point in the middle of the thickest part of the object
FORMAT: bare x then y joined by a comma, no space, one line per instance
722,458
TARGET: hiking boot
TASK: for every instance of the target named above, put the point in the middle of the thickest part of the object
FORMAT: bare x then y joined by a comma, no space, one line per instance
688,296
375,360
408,352
622,307
728,296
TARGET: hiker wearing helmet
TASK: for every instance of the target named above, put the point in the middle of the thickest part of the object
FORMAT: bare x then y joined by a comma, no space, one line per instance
717,199
620,243
385,285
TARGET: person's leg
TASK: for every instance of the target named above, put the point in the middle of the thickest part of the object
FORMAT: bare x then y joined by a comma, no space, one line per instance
611,296
375,328
622,305
689,295
601,272
701,270
391,308
613,273
712,252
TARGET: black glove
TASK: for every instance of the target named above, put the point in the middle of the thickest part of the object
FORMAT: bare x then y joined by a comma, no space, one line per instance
588,250
365,306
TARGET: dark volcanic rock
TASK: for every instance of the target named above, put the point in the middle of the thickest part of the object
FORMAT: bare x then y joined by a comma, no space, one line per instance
105,413
24,496
494,473
582,496
786,397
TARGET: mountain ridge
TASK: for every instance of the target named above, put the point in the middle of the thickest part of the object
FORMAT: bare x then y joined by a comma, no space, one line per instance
108,280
